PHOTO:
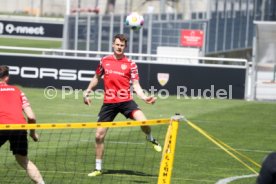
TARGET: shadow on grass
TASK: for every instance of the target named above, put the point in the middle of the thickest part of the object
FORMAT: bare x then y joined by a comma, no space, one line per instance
127,172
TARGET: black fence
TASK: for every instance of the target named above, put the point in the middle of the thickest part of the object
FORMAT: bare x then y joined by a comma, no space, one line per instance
228,26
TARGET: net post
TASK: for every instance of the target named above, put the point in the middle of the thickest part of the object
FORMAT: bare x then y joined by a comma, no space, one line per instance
166,165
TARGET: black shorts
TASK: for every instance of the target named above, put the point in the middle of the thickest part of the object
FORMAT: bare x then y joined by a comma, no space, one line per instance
110,110
268,170
18,141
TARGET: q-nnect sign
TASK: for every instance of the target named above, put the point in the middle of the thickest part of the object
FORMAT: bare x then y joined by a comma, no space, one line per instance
10,28
33,29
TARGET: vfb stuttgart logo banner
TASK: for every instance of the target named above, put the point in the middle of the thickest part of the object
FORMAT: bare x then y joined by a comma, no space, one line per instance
163,78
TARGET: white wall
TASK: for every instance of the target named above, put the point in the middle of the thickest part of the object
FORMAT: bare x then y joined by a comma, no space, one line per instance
33,6
58,7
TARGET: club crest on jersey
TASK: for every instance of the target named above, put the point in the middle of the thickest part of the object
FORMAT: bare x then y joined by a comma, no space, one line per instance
124,66
163,78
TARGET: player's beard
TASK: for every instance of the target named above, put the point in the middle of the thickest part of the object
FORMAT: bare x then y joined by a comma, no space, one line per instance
119,53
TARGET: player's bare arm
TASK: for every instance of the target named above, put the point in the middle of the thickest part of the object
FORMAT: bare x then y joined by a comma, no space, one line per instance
31,120
93,83
139,91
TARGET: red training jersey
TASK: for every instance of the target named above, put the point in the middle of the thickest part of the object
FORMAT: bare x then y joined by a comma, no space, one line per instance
12,101
117,75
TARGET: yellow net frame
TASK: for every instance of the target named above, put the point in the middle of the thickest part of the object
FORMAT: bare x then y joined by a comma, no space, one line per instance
166,165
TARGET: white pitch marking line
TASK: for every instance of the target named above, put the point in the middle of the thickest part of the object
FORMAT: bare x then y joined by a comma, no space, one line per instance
70,114
230,179
238,149
75,114
115,142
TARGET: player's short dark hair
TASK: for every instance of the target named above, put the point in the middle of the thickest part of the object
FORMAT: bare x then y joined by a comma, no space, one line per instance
121,37
4,71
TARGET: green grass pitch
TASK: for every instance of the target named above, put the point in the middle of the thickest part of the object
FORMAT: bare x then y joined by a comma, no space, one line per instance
249,127
36,43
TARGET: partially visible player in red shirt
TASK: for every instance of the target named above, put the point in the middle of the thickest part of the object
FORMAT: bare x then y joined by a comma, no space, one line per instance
12,103
118,73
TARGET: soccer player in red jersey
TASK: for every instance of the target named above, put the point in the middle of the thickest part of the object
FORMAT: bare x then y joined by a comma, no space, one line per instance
118,72
12,102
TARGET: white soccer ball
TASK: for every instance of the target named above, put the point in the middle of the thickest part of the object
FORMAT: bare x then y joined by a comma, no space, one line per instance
135,21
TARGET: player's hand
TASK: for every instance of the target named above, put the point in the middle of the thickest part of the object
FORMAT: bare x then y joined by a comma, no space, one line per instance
87,100
34,135
150,99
